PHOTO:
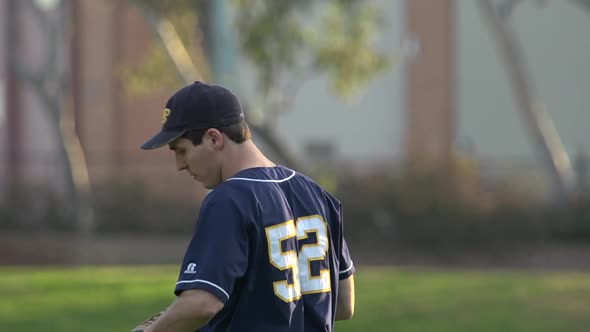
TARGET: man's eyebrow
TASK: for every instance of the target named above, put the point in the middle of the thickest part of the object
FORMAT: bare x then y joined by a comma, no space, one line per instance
172,147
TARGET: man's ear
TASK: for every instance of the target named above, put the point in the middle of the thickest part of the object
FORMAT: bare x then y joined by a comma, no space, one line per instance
215,137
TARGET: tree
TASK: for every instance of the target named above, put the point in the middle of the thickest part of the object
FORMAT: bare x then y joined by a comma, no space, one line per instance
50,81
538,121
286,41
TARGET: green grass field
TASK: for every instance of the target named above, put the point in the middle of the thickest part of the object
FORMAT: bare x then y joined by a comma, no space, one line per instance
388,299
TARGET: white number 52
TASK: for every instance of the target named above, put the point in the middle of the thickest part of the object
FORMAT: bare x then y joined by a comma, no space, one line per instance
299,262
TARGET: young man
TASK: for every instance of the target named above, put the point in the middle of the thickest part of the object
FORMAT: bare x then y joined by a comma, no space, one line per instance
268,252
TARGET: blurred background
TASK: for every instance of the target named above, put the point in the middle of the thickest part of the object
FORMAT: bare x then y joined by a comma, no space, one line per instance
454,132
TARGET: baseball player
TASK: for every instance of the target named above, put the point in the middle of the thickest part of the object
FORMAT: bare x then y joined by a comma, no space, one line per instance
268,252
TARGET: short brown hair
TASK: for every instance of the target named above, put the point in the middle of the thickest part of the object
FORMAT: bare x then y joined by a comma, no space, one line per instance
237,132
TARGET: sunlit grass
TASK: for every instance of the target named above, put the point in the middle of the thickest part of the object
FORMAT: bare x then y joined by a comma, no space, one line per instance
88,299
388,299
415,300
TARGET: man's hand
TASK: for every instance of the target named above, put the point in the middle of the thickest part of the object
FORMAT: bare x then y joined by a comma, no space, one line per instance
191,310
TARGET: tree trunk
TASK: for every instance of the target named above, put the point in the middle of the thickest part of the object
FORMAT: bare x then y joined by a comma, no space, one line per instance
77,206
539,122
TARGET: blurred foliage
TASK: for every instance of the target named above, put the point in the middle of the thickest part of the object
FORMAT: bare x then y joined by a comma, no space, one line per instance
155,69
343,48
452,207
131,208
281,38
120,207
447,207
170,8
34,209
279,35
148,74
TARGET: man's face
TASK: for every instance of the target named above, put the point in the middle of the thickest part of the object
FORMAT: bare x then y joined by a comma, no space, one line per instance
200,161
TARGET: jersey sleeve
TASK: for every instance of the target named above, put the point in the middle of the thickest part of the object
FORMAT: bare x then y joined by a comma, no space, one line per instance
346,265
218,252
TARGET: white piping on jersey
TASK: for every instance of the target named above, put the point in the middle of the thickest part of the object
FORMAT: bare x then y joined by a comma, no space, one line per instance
260,180
351,265
205,282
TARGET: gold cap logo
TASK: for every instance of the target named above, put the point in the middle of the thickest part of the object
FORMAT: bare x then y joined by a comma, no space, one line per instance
165,115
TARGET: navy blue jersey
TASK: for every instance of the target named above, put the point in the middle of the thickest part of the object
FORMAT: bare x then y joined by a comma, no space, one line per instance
269,244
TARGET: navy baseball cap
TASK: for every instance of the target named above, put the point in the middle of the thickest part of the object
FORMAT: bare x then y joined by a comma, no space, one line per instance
196,106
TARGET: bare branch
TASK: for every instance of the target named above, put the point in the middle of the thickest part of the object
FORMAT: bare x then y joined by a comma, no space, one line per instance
585,4
174,46
50,31
506,8
540,124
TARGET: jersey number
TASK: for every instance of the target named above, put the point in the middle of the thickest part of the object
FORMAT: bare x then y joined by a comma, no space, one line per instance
299,262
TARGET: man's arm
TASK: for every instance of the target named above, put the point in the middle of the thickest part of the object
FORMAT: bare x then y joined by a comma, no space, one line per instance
191,310
345,301
144,325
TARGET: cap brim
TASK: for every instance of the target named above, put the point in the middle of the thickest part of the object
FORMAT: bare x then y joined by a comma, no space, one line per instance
162,138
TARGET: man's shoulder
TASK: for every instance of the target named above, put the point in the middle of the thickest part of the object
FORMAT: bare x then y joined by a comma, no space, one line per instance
224,193
225,204
318,187
245,185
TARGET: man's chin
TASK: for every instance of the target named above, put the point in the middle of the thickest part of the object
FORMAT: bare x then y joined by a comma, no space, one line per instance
207,186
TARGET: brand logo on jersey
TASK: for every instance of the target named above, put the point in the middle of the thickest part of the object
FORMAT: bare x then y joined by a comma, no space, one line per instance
165,115
191,268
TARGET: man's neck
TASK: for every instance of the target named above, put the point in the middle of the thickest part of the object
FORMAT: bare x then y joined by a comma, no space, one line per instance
244,156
